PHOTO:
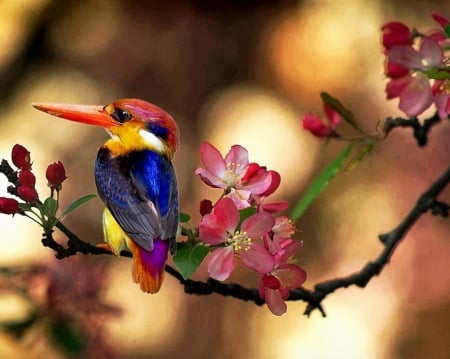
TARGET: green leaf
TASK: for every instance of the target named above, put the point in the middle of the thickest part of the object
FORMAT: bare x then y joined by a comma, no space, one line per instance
438,74
346,115
184,217
189,256
25,207
77,203
50,207
245,213
447,30
319,183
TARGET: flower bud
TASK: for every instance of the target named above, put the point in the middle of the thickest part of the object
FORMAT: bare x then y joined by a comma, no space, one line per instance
8,205
206,207
29,194
27,178
271,281
55,174
21,157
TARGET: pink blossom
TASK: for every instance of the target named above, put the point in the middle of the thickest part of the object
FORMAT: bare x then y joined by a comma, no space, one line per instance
318,128
233,173
275,284
395,33
408,66
220,228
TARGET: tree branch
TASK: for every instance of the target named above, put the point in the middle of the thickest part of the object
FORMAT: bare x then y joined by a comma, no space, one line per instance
427,201
420,132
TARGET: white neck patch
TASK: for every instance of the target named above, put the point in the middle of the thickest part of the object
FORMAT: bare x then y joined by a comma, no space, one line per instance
152,141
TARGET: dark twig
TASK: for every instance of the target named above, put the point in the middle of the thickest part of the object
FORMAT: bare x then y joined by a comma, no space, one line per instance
420,131
427,201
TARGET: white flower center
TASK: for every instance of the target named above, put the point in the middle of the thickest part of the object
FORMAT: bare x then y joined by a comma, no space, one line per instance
240,241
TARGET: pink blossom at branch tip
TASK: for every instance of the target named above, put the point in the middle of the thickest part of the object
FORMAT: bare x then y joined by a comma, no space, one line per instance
56,175
314,124
395,33
318,128
8,205
21,157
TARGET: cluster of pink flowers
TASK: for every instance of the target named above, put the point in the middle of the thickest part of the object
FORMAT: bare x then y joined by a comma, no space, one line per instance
412,61
26,189
262,241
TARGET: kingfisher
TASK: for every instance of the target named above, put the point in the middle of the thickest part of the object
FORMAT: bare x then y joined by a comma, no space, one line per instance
136,181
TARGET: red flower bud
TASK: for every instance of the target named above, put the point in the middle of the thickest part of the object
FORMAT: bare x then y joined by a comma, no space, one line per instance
206,207
27,178
271,281
28,194
315,125
56,174
21,157
8,205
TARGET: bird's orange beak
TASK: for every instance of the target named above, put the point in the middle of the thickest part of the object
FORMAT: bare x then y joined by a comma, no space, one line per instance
92,115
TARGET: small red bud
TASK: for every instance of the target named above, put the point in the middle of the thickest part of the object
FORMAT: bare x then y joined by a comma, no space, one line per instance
206,207
55,174
271,281
21,157
28,194
27,178
8,205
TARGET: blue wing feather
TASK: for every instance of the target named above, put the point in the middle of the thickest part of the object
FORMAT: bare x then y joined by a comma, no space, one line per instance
140,190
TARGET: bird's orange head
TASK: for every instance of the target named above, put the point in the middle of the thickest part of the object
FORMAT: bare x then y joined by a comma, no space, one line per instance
132,124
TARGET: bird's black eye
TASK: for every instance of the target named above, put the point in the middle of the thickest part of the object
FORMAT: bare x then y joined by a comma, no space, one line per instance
121,115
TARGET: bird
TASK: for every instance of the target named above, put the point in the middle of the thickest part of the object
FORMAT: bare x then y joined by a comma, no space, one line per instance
136,181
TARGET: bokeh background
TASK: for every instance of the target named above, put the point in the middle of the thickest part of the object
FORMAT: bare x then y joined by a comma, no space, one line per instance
233,72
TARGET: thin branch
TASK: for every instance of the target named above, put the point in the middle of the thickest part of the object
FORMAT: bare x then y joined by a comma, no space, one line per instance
420,131
427,201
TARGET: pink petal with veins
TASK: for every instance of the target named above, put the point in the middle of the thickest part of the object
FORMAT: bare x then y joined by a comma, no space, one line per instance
221,263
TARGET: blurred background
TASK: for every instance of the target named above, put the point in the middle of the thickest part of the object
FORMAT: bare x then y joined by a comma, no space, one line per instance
230,72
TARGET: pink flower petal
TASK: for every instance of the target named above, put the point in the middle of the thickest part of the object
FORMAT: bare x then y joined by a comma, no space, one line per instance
257,258
275,301
288,248
228,213
290,275
315,125
212,160
441,20
240,197
221,263
394,70
431,52
257,225
210,179
274,207
395,87
274,180
333,117
212,230
406,56
237,159
395,33
416,97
